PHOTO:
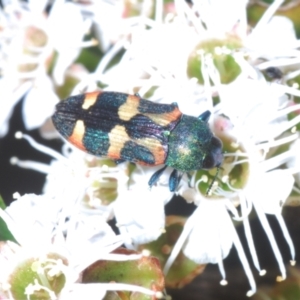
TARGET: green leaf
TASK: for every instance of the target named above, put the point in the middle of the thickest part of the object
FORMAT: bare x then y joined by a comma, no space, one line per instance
2,203
5,234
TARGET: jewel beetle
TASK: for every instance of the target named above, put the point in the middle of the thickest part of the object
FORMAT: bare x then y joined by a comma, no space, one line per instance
129,128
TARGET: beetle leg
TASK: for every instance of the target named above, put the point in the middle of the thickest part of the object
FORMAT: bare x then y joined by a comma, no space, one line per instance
189,176
155,176
174,180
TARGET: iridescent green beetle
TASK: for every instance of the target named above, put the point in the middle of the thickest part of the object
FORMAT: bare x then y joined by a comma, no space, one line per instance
128,128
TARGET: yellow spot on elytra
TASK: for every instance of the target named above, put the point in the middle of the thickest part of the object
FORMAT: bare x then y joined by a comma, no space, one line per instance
90,99
129,109
156,149
165,118
117,139
77,135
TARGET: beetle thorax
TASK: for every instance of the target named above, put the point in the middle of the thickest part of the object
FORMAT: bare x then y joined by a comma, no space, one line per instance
188,144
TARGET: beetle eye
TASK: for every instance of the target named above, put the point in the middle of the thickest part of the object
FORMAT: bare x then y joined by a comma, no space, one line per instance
214,156
216,142
208,162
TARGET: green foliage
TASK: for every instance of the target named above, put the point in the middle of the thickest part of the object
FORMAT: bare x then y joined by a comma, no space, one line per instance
5,234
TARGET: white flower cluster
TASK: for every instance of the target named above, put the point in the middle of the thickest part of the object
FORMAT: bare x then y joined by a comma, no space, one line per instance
155,44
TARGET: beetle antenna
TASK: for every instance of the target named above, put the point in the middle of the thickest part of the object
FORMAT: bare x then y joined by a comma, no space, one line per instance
213,181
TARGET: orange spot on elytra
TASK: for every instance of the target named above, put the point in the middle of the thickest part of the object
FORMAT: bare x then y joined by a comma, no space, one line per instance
77,135
90,99
156,148
117,138
165,118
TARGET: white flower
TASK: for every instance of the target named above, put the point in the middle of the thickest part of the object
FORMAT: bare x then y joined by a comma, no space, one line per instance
28,39
208,236
77,176
265,190
140,213
268,193
24,52
108,22
274,37
34,103
294,162
10,96
55,244
39,224
67,37
209,233
257,113
252,106
220,17
156,51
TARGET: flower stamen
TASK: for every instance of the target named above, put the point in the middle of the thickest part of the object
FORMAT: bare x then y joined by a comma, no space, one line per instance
39,147
31,288
29,164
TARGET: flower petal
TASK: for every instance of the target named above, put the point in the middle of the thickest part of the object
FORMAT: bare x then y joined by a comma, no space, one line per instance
271,190
39,104
140,213
210,240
